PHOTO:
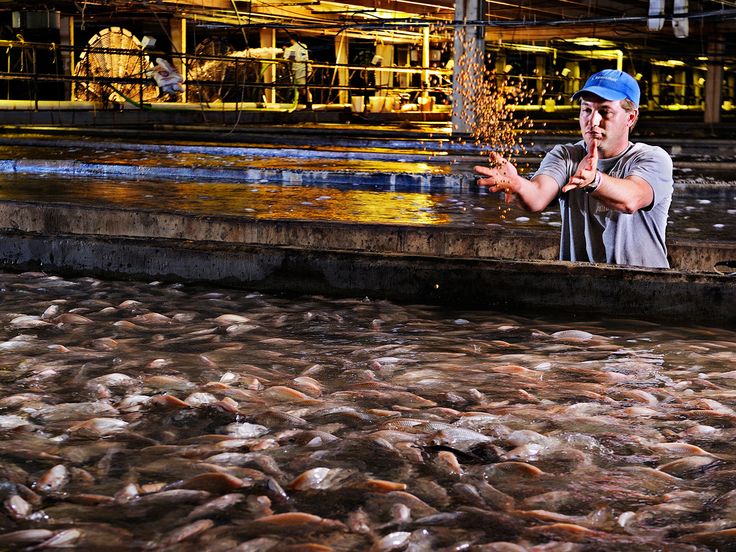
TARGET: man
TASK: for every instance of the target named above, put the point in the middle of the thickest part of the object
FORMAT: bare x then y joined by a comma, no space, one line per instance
299,54
614,195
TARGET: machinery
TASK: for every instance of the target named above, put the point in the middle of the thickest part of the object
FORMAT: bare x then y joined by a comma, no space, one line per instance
114,68
219,73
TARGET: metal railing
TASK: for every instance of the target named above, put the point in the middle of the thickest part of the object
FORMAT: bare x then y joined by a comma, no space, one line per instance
33,72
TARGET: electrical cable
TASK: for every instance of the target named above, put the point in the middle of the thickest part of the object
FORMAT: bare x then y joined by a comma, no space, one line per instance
242,87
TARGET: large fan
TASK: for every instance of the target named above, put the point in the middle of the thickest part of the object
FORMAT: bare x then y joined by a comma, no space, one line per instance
218,72
113,68
207,71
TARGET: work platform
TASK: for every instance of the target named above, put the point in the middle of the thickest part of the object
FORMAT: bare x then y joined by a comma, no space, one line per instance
373,220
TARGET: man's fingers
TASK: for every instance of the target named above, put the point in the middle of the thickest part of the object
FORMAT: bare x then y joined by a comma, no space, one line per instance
480,169
575,181
594,154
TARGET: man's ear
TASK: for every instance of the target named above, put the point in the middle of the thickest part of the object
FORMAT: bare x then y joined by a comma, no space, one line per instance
633,117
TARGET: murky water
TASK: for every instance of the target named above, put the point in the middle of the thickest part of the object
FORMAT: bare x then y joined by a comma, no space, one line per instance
150,416
708,213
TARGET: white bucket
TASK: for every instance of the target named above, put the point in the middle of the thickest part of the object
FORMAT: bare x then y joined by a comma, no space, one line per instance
358,104
376,104
426,103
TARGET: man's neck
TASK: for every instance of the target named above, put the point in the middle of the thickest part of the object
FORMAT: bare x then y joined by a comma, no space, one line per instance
614,152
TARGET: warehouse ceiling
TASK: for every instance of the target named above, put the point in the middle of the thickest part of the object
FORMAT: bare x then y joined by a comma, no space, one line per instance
628,22
686,26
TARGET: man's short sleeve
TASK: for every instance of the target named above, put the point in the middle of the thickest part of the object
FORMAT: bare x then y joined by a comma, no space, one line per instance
560,162
654,165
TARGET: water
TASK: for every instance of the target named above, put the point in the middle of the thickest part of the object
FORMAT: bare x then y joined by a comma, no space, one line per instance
701,212
150,416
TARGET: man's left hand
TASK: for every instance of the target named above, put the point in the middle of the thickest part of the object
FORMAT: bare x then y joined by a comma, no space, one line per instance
586,170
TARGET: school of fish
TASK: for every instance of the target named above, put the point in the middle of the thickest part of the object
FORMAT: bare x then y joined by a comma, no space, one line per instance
156,416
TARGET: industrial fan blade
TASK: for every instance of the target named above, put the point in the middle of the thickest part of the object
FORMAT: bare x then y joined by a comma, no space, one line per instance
114,68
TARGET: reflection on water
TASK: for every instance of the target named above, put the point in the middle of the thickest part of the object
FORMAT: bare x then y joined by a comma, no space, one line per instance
701,215
158,416
377,159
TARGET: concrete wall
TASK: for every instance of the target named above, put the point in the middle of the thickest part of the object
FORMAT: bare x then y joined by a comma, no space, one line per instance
429,265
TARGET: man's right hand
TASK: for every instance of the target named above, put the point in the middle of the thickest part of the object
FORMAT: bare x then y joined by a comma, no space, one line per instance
501,175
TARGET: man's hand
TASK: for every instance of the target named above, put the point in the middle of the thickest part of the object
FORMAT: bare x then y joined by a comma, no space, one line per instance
501,175
586,170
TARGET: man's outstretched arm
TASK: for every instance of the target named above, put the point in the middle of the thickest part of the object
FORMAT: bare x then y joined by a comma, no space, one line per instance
501,176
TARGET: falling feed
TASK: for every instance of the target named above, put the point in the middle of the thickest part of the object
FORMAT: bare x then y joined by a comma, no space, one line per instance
489,99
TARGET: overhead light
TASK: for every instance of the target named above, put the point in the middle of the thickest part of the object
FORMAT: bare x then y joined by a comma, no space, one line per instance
426,4
592,42
350,11
270,3
618,55
528,48
668,63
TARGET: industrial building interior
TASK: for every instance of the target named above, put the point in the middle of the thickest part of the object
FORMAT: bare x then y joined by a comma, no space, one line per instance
386,59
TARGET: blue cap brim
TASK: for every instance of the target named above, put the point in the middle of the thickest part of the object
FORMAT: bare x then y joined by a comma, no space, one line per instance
605,93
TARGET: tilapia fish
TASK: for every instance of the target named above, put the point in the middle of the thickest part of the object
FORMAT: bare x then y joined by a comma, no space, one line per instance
165,416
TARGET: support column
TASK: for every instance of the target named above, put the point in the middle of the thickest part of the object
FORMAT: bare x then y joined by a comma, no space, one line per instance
714,79
469,61
342,44
385,77
403,59
268,40
540,70
425,61
680,86
698,82
179,47
654,89
68,62
573,81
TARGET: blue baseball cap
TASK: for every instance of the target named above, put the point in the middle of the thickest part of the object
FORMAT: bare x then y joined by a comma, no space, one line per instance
611,84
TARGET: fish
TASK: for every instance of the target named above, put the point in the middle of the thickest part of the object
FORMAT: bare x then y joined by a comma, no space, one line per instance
321,478
53,480
291,523
12,422
186,532
236,420
216,507
25,537
98,427
17,507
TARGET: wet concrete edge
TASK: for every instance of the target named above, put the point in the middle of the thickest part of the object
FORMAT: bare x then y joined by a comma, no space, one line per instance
440,241
510,286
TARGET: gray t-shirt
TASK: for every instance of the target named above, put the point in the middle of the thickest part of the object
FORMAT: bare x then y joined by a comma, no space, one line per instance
593,232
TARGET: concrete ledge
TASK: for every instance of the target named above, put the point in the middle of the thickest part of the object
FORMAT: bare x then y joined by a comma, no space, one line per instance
467,242
513,286
53,219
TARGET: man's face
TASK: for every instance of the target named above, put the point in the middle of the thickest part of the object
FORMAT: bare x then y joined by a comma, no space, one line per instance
607,122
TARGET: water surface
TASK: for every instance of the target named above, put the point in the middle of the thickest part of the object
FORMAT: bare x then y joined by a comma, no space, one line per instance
698,212
150,416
